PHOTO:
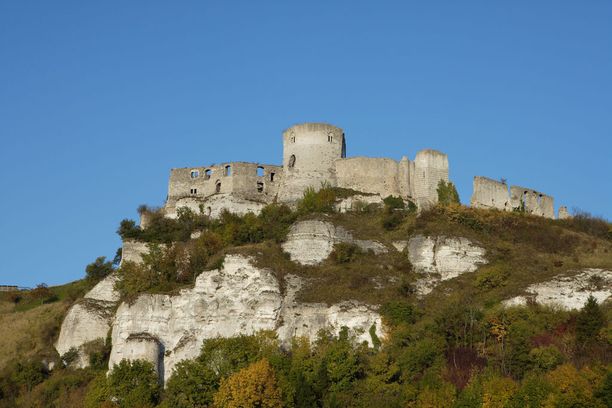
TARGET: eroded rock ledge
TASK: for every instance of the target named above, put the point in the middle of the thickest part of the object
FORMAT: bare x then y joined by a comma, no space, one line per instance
236,299
311,242
439,258
568,292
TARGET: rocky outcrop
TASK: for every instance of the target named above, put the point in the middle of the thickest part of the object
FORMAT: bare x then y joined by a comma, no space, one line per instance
88,320
358,202
310,242
568,292
237,299
440,258
132,251
215,204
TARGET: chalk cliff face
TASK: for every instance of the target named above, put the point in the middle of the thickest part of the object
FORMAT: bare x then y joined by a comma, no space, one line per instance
237,299
89,319
568,292
439,258
311,242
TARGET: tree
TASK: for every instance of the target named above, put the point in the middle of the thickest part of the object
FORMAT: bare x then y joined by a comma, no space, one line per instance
589,322
98,269
192,385
447,193
253,386
134,384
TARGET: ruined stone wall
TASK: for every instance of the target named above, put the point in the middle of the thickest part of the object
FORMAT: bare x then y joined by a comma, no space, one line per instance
430,166
563,213
309,153
490,193
369,175
250,180
199,181
535,202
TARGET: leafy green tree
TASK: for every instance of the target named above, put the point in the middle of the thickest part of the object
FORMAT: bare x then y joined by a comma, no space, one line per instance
447,193
134,384
192,385
321,201
589,322
98,269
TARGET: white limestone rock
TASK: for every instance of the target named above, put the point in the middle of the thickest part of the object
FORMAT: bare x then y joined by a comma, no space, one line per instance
310,242
355,202
400,245
440,258
132,251
236,299
307,319
215,204
568,292
105,290
88,320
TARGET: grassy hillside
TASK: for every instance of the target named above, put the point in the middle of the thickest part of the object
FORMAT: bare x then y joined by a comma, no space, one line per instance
453,348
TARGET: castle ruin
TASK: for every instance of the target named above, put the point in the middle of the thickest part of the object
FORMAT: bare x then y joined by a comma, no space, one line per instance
314,155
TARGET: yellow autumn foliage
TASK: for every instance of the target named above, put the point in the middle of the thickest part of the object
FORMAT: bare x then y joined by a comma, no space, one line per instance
253,386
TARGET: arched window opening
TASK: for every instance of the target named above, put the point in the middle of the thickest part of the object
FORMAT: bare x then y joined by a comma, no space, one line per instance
208,211
291,161
272,176
260,171
194,191
260,187
195,173
218,186
228,170
330,137
207,174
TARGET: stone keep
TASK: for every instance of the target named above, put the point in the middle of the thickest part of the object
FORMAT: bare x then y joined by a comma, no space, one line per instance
314,154
310,151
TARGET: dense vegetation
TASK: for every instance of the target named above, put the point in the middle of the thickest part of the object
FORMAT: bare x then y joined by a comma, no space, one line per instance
454,348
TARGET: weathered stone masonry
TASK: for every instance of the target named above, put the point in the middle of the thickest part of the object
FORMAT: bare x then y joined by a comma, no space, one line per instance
490,193
314,154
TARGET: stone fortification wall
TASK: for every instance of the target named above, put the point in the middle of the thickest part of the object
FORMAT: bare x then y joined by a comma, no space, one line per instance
563,213
494,194
369,175
309,154
247,179
213,205
428,168
490,193
535,202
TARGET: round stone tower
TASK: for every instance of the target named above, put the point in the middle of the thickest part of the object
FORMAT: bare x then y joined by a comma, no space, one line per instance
309,153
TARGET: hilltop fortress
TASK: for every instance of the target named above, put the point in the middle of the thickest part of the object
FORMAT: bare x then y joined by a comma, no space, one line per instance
314,154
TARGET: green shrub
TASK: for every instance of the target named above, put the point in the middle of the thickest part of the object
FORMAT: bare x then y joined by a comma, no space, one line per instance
394,203
545,358
447,193
491,276
393,213
70,356
345,252
98,269
321,201
589,322
192,385
398,312
134,384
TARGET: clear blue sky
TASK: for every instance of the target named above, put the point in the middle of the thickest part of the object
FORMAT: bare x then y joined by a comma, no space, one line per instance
98,100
